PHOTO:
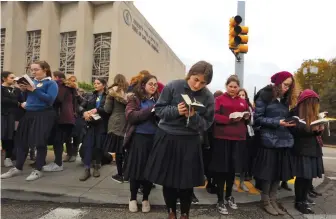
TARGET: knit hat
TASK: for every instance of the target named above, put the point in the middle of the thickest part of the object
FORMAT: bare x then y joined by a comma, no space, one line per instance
280,77
160,87
307,94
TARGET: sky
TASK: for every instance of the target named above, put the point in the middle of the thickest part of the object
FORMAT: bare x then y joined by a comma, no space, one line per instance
282,34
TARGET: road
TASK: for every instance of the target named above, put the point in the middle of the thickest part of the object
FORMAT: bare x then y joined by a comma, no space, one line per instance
44,210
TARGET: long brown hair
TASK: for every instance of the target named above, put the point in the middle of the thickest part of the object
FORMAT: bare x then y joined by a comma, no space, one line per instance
246,97
139,90
121,82
290,96
309,110
44,66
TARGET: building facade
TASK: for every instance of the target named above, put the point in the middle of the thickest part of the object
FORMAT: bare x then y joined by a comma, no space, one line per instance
87,39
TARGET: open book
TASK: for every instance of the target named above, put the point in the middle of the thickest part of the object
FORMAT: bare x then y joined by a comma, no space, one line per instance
236,115
25,79
189,102
96,116
322,121
294,119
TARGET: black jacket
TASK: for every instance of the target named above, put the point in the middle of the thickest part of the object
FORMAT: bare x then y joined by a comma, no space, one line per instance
305,141
10,100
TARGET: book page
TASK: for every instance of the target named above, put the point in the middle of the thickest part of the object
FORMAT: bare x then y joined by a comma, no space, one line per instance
187,99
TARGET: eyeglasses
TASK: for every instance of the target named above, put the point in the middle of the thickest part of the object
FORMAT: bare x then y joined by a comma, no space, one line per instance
35,69
152,85
287,85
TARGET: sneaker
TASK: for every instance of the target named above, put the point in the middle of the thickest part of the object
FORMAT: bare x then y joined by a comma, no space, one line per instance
52,167
145,206
34,175
118,178
72,159
244,187
133,206
234,187
222,208
231,202
11,172
8,162
194,199
313,190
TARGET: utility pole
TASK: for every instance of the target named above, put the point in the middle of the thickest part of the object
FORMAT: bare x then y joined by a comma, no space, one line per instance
239,64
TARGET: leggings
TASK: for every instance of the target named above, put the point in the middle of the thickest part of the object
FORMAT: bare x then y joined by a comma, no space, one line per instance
221,179
302,187
8,146
170,196
135,185
119,162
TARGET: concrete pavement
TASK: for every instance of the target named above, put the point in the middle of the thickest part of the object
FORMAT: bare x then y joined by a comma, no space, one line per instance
65,187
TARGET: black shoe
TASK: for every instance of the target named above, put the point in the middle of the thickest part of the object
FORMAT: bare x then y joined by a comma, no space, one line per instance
118,178
284,185
194,199
310,201
313,190
303,208
312,195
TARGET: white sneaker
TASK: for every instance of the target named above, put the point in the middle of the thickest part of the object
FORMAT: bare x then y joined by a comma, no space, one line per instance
145,207
8,162
133,206
34,175
11,172
52,167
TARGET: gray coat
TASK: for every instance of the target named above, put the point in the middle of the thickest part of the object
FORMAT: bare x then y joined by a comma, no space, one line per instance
115,105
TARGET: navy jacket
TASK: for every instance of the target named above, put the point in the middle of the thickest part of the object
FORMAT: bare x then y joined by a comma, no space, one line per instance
268,113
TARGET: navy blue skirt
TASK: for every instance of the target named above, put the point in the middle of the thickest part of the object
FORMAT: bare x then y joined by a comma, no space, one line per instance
35,128
176,161
7,126
308,167
95,135
113,143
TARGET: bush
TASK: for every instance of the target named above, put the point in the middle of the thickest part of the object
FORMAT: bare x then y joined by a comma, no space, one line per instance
85,86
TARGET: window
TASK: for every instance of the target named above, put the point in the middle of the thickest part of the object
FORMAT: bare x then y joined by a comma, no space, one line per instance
101,56
33,48
67,52
3,38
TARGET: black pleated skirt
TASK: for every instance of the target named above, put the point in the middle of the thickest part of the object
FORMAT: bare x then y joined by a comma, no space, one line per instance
308,167
175,161
229,156
7,126
95,135
273,164
113,143
137,156
35,128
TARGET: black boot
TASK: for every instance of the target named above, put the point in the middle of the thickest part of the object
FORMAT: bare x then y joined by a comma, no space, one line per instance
303,208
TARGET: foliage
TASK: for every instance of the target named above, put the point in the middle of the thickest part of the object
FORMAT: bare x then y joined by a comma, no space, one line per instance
86,86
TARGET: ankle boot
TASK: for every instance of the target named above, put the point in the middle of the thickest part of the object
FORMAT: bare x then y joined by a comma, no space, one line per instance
96,172
303,208
267,205
273,195
85,175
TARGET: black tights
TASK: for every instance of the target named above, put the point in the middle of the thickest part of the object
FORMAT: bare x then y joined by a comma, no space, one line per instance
221,179
170,196
135,185
119,162
302,187
8,146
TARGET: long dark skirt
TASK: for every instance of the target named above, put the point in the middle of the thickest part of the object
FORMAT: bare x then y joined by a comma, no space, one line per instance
175,161
308,167
78,130
273,164
7,126
229,156
35,128
114,143
137,156
95,135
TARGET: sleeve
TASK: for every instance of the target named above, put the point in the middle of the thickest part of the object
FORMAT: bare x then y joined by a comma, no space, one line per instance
108,106
259,116
163,108
8,100
134,115
219,117
83,105
51,94
203,122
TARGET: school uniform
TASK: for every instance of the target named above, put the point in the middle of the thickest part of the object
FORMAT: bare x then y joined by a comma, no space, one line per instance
176,160
35,126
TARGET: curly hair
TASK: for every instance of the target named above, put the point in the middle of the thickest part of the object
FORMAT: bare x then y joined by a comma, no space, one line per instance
139,89
138,77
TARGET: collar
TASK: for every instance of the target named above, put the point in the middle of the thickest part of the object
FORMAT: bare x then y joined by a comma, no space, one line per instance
186,86
44,79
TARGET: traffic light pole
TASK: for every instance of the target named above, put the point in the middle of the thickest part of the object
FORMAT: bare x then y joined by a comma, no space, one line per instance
239,64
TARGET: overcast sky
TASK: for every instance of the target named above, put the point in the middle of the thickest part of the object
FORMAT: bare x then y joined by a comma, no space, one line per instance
282,34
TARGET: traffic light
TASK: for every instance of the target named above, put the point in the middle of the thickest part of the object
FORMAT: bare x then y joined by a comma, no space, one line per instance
238,36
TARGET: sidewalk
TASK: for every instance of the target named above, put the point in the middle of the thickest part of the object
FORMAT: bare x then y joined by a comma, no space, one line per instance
65,187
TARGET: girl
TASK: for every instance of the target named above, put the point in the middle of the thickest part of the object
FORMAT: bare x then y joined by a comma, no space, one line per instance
175,161
307,149
115,106
10,104
96,126
229,147
273,160
141,127
35,126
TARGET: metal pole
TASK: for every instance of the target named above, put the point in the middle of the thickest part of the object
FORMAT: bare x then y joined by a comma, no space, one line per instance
239,66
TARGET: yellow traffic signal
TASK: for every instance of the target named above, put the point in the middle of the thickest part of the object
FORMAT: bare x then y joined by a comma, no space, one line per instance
238,35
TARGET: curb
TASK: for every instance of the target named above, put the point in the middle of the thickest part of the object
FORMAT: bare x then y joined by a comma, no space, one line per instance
329,146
